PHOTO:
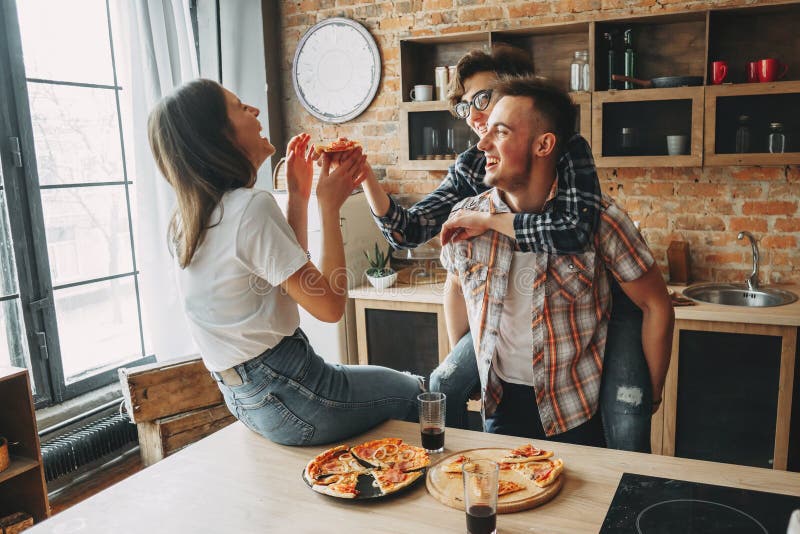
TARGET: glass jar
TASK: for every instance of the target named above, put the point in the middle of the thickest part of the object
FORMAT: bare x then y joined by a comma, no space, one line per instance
743,135
579,71
776,141
629,141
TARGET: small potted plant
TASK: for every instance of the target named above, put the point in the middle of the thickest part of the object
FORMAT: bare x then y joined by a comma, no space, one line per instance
379,274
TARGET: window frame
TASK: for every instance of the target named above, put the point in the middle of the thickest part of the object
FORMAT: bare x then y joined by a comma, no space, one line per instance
26,220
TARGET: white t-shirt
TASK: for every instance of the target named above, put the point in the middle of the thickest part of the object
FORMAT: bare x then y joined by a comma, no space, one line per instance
514,359
235,307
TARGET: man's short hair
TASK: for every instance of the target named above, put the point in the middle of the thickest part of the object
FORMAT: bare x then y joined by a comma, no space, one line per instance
552,104
504,60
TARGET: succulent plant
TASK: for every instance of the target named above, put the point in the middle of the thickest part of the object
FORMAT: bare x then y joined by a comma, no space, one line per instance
378,263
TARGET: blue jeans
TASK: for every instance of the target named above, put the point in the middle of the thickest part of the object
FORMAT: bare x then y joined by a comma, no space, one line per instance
292,396
625,390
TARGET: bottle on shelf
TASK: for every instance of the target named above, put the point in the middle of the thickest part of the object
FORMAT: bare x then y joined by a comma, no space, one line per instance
579,71
630,57
743,135
776,141
612,59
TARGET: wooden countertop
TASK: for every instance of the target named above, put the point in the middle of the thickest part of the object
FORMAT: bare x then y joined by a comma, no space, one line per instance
788,315
237,481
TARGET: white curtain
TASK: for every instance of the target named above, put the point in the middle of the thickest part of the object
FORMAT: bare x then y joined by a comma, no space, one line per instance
159,42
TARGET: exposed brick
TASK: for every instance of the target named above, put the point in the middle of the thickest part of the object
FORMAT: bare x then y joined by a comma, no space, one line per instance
779,242
660,190
784,191
751,224
722,258
699,190
436,5
530,9
462,28
787,225
793,173
693,222
773,207
479,14
397,23
758,174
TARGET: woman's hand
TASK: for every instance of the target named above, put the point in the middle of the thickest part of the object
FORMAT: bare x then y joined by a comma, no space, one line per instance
300,166
336,185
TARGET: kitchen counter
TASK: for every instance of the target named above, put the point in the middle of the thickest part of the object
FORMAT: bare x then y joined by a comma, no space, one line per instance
788,315
237,481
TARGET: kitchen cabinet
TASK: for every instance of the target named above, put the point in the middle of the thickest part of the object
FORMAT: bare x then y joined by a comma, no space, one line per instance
673,44
22,485
730,386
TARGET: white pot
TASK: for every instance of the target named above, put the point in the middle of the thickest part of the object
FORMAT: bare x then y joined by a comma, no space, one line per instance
382,282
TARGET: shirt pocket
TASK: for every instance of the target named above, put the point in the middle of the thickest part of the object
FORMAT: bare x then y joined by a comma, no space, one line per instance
570,276
472,275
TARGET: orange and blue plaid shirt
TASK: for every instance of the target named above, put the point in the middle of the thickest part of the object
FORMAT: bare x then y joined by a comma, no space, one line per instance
570,308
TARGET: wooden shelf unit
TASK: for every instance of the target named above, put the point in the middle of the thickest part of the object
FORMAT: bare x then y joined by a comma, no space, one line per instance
654,114
673,44
764,103
22,485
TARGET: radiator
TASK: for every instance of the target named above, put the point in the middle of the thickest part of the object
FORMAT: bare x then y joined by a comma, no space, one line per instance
75,449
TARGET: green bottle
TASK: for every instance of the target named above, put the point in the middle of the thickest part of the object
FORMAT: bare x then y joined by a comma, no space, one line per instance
630,57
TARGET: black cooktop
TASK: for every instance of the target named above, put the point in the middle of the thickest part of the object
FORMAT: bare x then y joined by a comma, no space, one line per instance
651,505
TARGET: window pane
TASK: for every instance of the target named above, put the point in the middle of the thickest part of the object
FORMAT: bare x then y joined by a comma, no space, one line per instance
98,327
66,41
76,133
87,232
13,347
8,272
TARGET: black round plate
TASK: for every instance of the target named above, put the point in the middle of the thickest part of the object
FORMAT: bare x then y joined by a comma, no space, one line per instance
365,488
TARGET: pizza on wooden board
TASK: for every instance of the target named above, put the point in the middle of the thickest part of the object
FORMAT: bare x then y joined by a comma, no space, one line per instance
543,473
526,453
342,144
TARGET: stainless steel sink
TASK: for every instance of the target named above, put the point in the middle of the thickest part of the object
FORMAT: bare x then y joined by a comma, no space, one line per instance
739,295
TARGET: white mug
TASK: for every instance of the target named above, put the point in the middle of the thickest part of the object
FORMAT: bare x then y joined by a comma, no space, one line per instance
677,144
421,93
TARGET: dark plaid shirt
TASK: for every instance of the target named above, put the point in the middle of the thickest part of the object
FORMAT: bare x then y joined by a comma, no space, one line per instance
568,229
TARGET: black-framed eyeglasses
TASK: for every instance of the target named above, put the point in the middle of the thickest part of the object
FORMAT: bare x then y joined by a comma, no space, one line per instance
480,100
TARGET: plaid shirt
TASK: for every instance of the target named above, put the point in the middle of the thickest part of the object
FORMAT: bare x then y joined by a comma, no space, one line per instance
567,229
570,307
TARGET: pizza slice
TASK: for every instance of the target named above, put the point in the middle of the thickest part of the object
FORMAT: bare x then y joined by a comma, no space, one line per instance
377,452
393,479
546,477
507,486
342,144
336,460
455,465
409,458
341,485
526,453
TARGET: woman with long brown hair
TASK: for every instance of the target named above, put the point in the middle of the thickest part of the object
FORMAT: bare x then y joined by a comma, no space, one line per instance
244,269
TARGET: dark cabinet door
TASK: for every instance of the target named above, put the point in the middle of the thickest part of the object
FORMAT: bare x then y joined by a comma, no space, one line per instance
403,340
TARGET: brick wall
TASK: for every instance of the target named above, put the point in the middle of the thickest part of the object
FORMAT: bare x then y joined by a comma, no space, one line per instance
706,207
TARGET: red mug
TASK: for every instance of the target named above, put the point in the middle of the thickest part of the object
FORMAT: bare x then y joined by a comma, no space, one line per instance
752,71
768,70
719,69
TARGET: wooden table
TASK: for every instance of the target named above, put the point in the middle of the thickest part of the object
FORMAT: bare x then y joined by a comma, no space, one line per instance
236,481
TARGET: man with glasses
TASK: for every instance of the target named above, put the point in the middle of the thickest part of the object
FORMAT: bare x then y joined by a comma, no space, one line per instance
567,229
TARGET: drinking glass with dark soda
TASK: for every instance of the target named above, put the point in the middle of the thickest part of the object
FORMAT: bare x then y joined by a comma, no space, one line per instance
432,407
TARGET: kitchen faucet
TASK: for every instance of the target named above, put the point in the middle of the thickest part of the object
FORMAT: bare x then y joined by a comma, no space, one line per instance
752,280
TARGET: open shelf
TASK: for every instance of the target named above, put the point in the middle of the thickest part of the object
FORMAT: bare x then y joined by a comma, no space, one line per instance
419,57
432,137
741,35
552,47
652,115
17,466
763,103
665,45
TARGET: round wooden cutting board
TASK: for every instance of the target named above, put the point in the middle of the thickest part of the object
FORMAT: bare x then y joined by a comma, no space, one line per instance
448,488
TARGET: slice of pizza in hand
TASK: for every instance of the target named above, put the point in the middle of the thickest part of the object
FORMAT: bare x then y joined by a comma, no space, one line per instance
507,486
526,453
378,452
342,485
393,479
456,465
332,461
342,144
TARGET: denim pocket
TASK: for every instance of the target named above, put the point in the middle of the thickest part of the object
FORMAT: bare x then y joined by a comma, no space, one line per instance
291,358
272,419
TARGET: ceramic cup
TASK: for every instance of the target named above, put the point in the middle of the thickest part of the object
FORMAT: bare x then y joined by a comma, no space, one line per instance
421,93
677,144
770,70
719,69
